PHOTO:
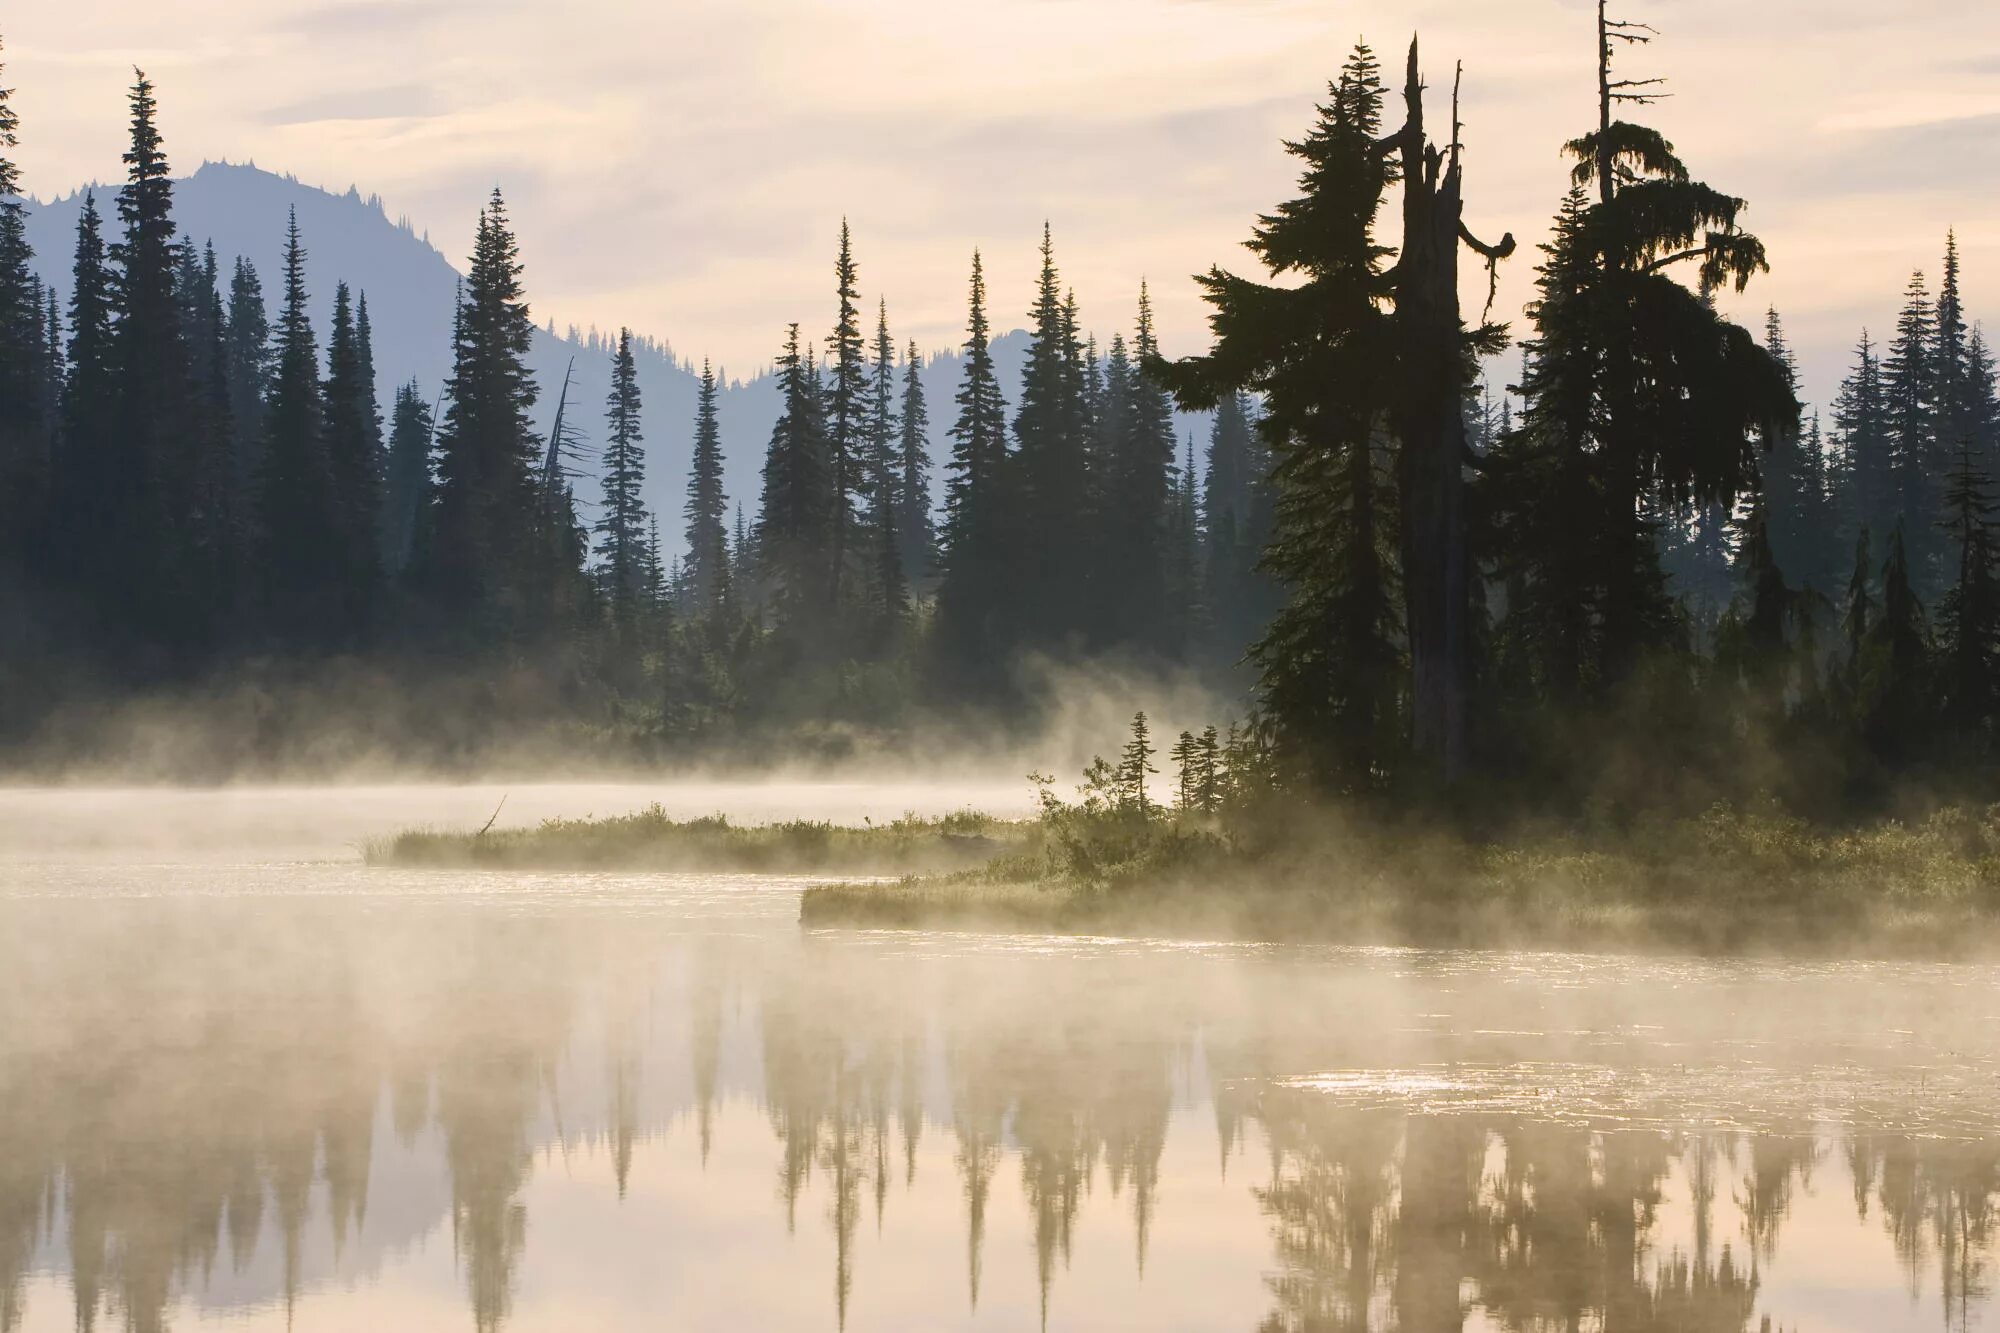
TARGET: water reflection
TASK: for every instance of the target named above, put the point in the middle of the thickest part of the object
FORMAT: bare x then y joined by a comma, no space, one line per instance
282,1107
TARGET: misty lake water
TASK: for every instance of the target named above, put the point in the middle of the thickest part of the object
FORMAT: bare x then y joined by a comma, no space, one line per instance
248,1083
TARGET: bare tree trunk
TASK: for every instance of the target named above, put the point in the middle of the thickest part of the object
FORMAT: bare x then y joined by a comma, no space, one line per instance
1430,426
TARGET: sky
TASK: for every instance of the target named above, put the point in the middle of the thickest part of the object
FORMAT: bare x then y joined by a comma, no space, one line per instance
683,166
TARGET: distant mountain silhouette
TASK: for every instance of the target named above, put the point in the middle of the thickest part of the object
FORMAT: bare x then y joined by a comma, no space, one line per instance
410,286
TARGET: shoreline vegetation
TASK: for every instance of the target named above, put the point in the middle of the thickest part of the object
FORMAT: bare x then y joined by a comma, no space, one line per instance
1229,860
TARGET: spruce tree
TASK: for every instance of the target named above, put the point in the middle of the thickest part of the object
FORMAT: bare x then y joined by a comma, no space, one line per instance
888,584
1046,548
482,550
301,551
1235,524
917,534
147,580
249,338
406,483
1134,764
1869,498
84,505
1955,387
1150,589
25,428
621,527
349,436
708,557
797,517
1969,615
1186,757
1317,346
971,620
1909,389
1858,618
1895,693
846,413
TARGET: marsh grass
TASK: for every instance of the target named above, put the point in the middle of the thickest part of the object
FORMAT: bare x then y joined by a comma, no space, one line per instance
652,840
1728,881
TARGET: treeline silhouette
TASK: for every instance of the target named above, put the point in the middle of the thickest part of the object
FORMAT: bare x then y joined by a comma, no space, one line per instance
190,486
1637,574
163,1129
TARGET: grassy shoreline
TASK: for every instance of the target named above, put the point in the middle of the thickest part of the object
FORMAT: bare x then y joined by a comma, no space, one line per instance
1725,882
651,840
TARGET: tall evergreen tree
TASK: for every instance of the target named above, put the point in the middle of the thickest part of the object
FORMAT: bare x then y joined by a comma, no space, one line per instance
1147,590
846,412
1969,616
707,567
349,437
917,534
1867,462
971,634
888,583
1895,693
1955,386
1909,390
406,481
1046,546
249,337
621,529
148,573
481,550
796,521
83,505
302,556
1317,347
25,428
1235,515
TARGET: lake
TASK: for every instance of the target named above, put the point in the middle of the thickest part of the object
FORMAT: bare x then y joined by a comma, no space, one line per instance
247,1083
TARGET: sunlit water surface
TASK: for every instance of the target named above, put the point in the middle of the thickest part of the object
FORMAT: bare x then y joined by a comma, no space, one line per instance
247,1083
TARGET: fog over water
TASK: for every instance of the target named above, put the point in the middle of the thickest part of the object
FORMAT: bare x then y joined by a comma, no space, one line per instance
247,1083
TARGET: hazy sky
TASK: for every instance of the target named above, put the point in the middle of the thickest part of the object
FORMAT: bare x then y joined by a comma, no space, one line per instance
683,165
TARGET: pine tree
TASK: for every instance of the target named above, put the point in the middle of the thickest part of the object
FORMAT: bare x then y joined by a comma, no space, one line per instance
83,501
249,338
1895,698
1909,389
1764,608
1787,489
149,481
1134,764
888,584
1186,757
1955,383
349,437
1149,588
25,428
846,413
1046,548
1969,615
796,521
481,549
971,621
621,529
406,489
298,505
1186,613
1318,347
916,532
1211,777
707,542
1868,467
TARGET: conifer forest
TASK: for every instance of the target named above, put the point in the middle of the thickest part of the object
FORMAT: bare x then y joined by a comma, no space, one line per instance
1441,555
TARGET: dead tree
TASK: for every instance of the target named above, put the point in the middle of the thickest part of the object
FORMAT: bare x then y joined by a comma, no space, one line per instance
1429,423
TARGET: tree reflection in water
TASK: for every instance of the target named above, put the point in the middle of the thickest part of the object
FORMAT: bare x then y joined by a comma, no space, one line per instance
176,1097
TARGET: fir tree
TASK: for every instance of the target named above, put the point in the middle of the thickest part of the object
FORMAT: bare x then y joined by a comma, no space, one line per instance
25,426
249,341
1134,764
1969,616
349,438
1895,700
480,548
1317,346
795,524
970,620
1186,757
1868,465
1909,387
406,490
84,505
1149,586
916,532
1858,619
621,529
707,541
149,478
888,584
846,412
1046,549
298,516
